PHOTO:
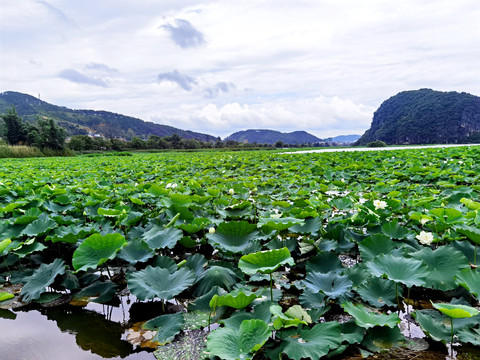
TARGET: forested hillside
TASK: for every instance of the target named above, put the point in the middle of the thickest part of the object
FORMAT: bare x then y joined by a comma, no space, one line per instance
426,116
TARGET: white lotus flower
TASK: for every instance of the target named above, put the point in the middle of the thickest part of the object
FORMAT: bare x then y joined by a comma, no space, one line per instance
425,238
231,191
379,204
211,230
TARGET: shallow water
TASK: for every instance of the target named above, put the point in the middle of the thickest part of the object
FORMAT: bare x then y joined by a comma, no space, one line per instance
92,333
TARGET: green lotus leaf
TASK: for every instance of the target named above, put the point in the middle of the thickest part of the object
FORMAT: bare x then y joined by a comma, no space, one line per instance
71,233
380,339
470,280
109,212
196,225
232,344
153,282
102,291
324,262
447,215
375,245
4,244
29,248
157,190
443,265
394,230
332,285
378,292
29,216
279,224
432,324
312,299
159,237
237,299
470,204
42,277
293,317
311,343
166,326
215,276
469,335
96,250
265,262
5,296
470,232
234,236
39,227
196,263
456,311
368,319
260,311
165,262
135,251
410,272
351,332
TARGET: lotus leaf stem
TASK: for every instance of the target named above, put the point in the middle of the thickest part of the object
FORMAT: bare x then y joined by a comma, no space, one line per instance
271,288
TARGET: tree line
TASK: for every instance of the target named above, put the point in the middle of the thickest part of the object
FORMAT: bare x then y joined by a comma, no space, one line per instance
43,134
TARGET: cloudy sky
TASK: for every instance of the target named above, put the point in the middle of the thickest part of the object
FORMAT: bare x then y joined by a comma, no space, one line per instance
217,67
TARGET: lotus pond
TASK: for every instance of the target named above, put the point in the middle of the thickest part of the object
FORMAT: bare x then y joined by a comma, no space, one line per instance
246,255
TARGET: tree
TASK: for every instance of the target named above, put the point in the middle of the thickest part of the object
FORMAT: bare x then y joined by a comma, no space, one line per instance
49,135
16,131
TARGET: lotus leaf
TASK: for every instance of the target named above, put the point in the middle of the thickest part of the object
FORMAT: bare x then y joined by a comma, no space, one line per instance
260,311
470,232
443,265
378,292
166,326
234,236
311,343
135,251
96,250
215,276
381,339
232,344
102,291
332,285
265,262
4,244
408,271
154,282
470,280
159,237
368,319
456,311
39,227
42,277
237,299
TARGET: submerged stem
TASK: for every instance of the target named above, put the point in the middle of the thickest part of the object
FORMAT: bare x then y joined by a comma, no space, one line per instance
451,342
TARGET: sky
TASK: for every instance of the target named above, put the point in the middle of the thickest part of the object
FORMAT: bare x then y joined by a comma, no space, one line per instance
323,66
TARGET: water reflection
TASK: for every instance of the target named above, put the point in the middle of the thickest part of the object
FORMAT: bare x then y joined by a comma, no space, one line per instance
67,333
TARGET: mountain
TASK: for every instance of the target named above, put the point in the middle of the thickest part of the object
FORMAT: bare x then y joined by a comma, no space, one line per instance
272,136
78,122
426,116
343,138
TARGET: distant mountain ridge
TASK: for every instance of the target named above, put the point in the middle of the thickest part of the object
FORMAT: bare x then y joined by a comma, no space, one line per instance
264,136
79,122
426,116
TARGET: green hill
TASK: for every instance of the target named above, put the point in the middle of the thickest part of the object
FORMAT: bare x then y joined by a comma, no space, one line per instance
426,116
79,122
271,137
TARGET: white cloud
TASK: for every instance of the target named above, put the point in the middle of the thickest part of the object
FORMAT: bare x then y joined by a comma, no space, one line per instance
321,66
